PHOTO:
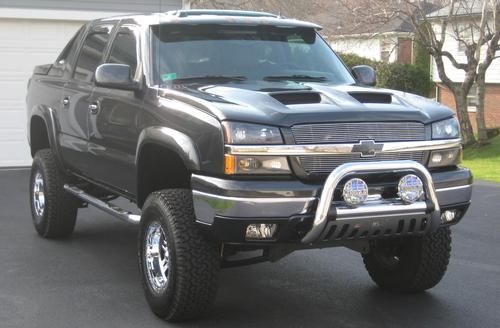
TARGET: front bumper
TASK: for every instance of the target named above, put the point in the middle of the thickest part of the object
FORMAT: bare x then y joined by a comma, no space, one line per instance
309,213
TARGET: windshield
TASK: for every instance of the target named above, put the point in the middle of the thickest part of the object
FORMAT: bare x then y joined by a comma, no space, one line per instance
186,53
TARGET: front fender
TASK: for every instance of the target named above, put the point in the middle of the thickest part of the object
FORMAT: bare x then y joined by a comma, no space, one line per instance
48,116
175,141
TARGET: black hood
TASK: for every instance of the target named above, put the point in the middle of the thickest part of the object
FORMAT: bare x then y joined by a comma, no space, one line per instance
288,103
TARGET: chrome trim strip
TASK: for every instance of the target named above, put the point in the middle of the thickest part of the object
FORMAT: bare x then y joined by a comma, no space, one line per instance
453,188
381,210
207,206
325,149
325,200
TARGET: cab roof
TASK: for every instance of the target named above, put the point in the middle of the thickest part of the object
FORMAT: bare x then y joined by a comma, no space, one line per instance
217,17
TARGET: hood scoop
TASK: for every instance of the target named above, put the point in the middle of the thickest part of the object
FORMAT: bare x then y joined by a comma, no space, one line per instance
372,97
298,98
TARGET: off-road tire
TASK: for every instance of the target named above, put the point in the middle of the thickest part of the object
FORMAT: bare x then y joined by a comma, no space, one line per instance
194,261
57,220
421,262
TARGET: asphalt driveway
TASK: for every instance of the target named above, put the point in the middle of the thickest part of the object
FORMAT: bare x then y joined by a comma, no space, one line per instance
92,280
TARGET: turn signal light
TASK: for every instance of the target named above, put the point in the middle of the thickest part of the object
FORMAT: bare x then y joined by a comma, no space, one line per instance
230,164
256,165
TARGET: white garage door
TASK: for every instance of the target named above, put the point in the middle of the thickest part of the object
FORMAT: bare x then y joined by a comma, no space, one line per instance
24,43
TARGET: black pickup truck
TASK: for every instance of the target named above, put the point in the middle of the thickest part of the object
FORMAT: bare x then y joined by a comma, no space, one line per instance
241,137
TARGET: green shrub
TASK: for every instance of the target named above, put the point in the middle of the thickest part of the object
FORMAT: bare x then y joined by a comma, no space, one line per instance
352,60
403,77
422,59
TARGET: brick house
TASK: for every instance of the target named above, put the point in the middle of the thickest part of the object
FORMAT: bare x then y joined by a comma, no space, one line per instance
492,92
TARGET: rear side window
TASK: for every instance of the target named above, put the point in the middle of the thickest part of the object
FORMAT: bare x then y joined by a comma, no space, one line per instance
91,55
70,48
65,58
124,51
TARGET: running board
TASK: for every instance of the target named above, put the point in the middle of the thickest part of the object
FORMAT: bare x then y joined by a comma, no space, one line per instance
102,205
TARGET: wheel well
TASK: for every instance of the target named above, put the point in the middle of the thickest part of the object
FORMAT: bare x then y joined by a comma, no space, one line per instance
159,168
39,136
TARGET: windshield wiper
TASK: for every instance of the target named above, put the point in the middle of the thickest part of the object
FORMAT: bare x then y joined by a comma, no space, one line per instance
296,77
215,78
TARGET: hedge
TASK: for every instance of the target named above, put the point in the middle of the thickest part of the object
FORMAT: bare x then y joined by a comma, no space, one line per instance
352,60
403,77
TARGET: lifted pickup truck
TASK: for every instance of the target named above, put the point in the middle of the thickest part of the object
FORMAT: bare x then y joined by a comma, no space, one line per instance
241,137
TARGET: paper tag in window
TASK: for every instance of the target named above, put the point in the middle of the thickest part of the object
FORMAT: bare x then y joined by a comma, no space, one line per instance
168,77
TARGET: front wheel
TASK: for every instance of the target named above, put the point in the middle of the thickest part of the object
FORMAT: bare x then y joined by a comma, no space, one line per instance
53,209
410,264
179,266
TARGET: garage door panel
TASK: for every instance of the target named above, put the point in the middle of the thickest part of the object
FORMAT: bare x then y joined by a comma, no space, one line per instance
9,116
15,148
13,91
16,153
24,43
43,34
16,62
13,135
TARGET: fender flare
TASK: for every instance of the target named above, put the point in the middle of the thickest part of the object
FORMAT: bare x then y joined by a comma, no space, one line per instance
47,114
173,140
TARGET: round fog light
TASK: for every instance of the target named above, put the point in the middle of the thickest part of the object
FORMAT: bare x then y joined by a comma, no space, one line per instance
355,192
410,188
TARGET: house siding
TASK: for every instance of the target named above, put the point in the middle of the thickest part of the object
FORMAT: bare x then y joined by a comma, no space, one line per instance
456,75
491,104
132,6
368,47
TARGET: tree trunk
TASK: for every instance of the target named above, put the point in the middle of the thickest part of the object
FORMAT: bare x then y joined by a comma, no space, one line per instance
460,95
463,116
480,119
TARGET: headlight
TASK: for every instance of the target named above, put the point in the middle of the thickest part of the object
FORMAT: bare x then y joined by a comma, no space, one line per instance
447,129
251,134
256,165
236,133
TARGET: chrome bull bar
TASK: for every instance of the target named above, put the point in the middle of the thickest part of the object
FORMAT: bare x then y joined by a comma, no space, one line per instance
326,198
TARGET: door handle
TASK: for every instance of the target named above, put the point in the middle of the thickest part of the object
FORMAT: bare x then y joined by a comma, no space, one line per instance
94,108
65,101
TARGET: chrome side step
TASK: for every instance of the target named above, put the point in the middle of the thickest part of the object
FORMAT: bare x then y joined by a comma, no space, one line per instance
102,205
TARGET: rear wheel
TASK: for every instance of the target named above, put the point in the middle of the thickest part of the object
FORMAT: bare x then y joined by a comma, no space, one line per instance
53,210
410,264
179,266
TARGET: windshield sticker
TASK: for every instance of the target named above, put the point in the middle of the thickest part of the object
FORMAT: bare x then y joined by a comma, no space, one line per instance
168,77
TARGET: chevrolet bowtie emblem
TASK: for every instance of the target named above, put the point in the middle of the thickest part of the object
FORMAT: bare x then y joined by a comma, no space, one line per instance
367,148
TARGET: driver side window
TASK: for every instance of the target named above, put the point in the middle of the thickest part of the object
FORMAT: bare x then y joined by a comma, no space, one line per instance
124,51
91,55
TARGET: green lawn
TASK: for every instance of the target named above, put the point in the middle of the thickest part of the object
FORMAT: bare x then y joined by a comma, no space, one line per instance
484,161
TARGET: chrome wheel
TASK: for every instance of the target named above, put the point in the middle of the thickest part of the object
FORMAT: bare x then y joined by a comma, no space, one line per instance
157,257
38,194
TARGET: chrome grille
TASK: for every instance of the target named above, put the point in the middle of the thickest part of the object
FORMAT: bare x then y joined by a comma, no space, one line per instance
354,132
325,164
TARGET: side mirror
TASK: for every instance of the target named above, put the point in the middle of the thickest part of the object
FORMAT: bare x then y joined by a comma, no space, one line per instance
116,76
365,74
